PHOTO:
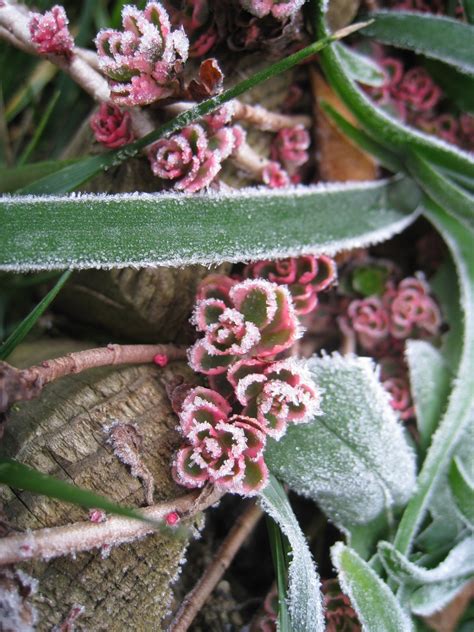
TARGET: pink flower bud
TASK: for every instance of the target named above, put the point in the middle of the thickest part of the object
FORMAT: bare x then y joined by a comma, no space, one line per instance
161,359
112,126
50,33
172,518
97,515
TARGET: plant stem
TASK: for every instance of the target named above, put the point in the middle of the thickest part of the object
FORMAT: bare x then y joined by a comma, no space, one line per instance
84,536
195,599
21,384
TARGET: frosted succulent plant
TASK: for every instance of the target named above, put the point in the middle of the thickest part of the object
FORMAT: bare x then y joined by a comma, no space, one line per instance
225,450
50,33
412,310
258,320
142,62
275,393
305,277
112,126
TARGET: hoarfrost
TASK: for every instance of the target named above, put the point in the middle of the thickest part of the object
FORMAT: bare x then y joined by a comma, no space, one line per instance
354,460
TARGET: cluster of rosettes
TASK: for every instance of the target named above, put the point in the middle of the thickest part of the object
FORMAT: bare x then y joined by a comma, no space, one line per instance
404,311
305,277
191,158
245,325
50,33
416,97
144,61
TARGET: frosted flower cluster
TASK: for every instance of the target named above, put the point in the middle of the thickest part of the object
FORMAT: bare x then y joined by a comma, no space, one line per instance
245,325
142,62
50,32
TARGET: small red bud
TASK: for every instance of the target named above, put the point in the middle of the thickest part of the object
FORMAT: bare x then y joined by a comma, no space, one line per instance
161,359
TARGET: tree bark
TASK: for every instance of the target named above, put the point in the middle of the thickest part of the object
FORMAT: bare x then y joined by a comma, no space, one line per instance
63,434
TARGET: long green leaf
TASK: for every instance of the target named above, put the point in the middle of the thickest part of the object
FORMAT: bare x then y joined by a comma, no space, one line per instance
447,194
438,37
377,607
378,123
71,177
20,476
304,597
458,413
25,326
176,229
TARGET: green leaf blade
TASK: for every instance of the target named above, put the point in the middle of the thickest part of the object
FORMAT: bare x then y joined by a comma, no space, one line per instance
19,476
87,231
434,36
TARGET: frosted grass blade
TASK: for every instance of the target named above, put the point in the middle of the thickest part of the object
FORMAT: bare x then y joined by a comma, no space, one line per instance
89,231
304,596
434,36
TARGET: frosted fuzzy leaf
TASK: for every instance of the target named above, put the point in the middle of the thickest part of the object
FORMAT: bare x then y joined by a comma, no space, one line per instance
354,460
50,33
458,564
304,594
430,381
376,606
216,286
426,600
280,9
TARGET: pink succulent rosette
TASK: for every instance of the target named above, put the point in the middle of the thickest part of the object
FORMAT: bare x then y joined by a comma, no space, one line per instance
192,158
224,450
275,393
112,126
275,176
143,62
417,90
400,396
50,33
412,310
260,321
290,147
279,9
369,318
305,277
